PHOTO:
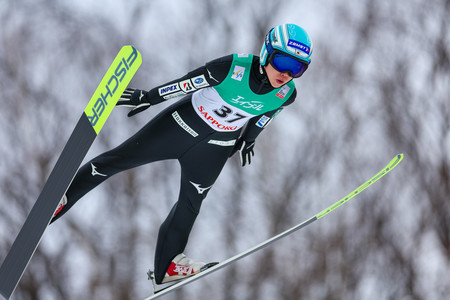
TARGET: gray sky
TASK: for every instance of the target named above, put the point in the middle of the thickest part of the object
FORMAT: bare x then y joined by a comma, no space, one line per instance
378,85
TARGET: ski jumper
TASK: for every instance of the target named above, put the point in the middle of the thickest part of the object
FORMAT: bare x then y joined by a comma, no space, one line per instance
227,99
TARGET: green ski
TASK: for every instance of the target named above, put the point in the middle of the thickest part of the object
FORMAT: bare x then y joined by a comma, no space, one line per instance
159,293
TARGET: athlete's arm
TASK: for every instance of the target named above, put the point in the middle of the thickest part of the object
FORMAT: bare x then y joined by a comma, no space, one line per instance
211,74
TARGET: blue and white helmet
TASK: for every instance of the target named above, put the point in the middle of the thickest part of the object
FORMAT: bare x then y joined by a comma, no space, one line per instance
289,39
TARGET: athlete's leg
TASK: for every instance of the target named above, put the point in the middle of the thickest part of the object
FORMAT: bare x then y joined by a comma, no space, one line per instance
159,139
200,168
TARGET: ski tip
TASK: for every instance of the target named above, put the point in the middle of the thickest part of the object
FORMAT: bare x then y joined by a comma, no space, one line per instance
394,162
399,158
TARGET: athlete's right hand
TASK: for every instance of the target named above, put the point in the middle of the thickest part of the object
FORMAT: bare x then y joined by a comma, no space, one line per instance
136,99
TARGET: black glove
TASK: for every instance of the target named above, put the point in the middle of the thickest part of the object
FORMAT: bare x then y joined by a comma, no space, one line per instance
245,149
136,99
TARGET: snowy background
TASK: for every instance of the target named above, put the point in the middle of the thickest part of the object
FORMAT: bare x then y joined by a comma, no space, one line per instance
378,85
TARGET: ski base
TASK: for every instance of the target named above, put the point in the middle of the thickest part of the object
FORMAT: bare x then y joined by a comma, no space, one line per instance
91,121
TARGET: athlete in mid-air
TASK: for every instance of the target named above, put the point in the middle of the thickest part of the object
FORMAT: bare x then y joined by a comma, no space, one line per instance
226,105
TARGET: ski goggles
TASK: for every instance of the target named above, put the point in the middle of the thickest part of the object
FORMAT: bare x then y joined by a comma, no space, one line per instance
287,64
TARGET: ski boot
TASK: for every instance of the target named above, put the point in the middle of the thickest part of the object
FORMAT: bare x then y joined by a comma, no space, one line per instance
180,268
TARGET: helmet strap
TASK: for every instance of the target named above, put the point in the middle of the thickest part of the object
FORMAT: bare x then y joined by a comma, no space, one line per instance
261,70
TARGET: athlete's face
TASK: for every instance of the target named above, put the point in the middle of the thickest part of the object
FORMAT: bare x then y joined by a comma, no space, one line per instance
276,78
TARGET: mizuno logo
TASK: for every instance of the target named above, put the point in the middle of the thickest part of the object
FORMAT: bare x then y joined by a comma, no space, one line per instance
200,189
210,76
95,172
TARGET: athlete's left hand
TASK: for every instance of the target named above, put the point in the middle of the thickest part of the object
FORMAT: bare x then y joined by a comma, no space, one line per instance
246,152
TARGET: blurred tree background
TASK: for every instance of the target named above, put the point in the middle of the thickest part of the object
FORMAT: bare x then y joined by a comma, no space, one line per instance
378,85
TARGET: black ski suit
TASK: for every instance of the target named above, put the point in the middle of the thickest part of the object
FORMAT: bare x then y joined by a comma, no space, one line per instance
179,132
